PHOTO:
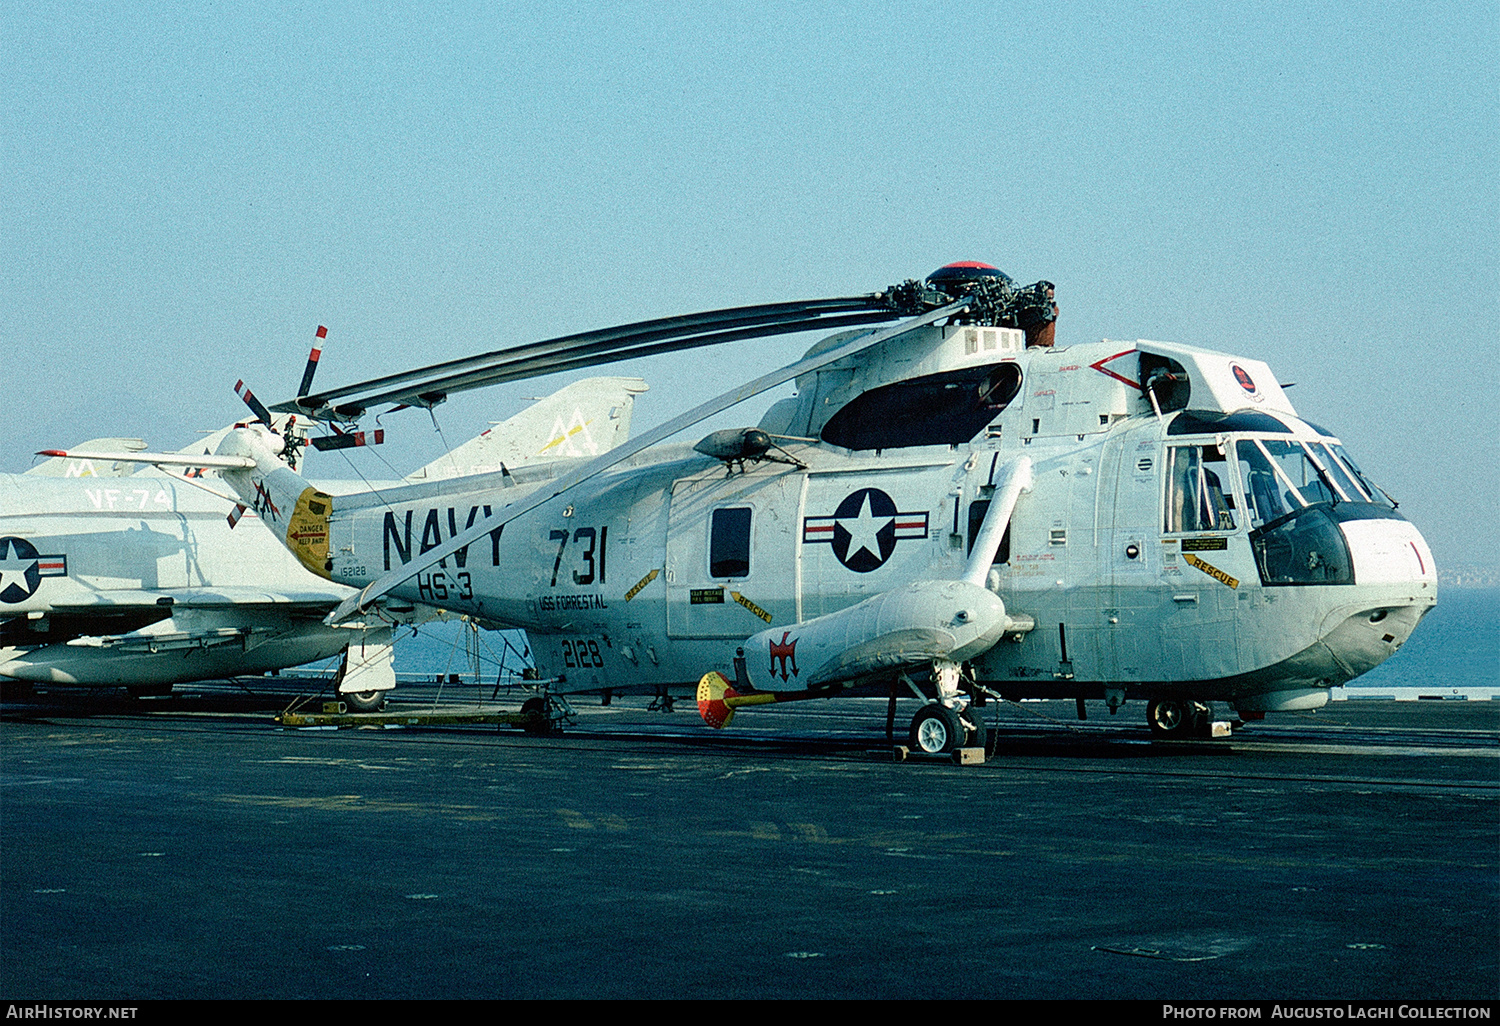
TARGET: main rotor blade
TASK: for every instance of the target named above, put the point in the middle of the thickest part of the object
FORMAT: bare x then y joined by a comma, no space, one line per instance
433,391
394,578
426,385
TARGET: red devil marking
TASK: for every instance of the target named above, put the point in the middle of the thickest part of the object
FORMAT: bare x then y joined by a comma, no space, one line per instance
784,651
263,504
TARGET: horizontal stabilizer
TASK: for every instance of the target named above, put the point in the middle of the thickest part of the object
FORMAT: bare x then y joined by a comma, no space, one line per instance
160,459
85,459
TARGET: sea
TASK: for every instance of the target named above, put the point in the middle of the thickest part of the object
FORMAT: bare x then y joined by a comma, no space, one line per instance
1457,645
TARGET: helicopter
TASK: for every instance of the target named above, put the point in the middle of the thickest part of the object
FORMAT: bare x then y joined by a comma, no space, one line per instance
951,507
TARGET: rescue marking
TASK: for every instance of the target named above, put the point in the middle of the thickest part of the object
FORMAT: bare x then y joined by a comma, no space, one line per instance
742,600
1210,569
633,592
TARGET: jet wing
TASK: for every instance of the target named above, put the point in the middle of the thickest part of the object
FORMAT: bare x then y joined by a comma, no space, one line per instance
310,598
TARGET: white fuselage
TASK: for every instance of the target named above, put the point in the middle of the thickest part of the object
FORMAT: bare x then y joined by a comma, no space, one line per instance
658,570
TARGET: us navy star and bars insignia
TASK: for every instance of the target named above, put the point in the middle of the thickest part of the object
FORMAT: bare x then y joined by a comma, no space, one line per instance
864,529
22,568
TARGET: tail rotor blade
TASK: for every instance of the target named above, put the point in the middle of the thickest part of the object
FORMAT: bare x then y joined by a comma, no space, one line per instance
256,406
349,440
312,363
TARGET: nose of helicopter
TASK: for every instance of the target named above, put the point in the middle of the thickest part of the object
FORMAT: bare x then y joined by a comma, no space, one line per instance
1389,552
1396,584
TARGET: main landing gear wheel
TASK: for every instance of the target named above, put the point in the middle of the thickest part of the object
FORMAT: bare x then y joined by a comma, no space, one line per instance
540,723
363,701
1174,718
936,730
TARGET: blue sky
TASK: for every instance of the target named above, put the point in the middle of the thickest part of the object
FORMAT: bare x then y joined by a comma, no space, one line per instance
188,190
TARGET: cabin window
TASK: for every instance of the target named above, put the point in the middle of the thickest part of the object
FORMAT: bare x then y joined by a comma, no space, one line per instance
729,542
1266,496
1196,500
938,409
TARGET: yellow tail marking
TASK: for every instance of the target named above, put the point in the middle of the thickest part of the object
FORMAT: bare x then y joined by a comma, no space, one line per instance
307,531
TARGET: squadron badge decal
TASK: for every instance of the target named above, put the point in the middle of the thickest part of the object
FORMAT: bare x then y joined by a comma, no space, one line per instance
864,529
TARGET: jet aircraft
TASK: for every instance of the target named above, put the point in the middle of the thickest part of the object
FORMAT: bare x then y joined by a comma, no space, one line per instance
952,507
112,576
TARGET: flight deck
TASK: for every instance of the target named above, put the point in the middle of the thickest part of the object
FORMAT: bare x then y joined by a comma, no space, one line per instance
201,850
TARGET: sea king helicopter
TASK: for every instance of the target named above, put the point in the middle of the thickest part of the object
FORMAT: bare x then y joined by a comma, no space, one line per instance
951,507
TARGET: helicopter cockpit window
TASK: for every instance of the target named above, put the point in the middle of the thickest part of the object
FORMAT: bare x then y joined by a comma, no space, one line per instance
938,409
1369,487
1296,493
1281,476
729,543
1337,474
1196,497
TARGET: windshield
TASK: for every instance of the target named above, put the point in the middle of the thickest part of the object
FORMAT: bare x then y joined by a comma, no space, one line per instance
1282,476
1375,494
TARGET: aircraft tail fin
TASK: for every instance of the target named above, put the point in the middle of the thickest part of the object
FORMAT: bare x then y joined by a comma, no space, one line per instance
79,463
578,422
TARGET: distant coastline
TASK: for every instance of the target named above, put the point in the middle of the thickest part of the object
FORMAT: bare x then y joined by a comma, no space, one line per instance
1469,577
